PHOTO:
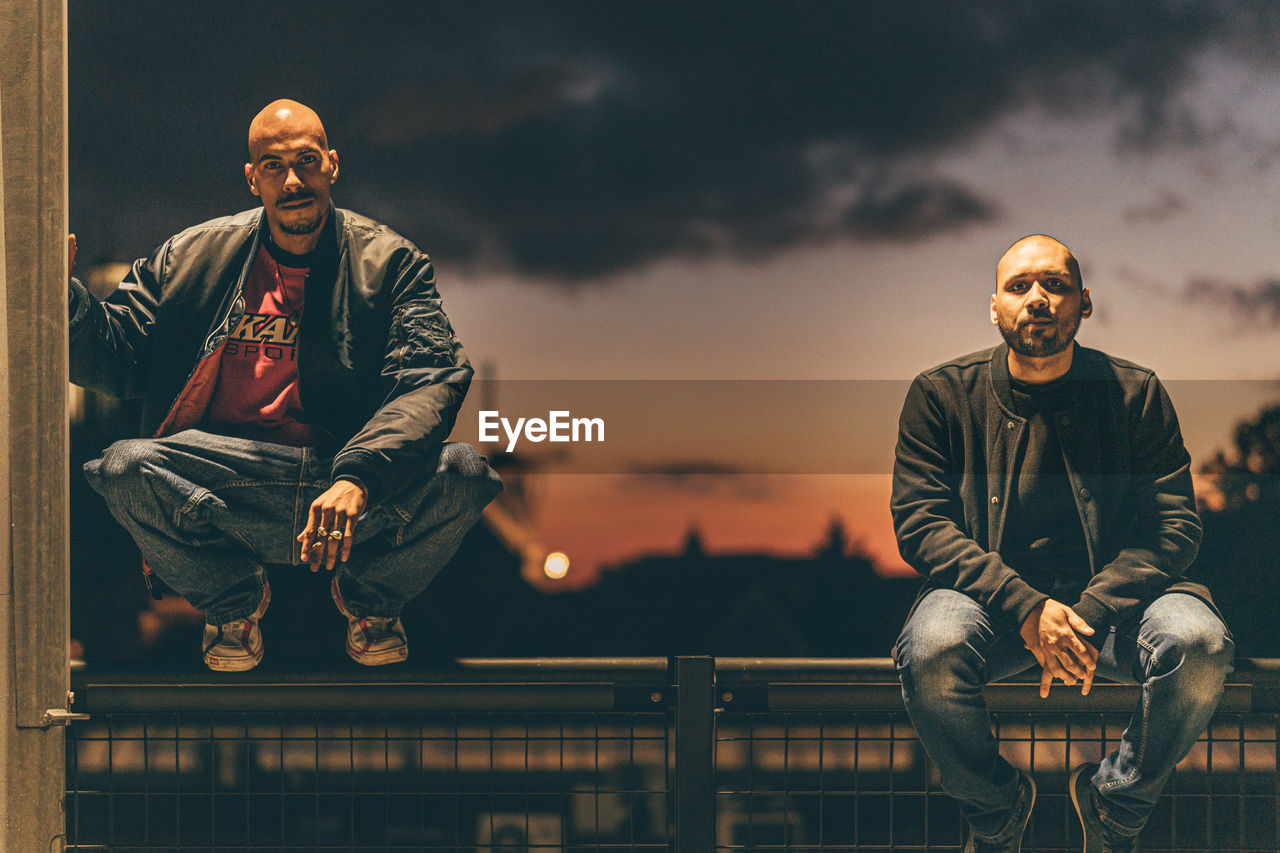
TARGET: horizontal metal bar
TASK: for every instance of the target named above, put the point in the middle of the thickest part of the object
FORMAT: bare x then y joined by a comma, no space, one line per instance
275,698
593,684
489,684
1257,671
1237,698
469,670
870,684
799,670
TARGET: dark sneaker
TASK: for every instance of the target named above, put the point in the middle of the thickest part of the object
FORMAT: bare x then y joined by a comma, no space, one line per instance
236,646
1097,838
1012,835
372,640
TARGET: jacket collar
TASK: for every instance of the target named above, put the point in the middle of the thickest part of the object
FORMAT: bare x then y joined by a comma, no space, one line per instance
330,237
1000,379
1083,366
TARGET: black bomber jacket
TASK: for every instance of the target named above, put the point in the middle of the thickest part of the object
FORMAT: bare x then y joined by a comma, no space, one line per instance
960,444
380,374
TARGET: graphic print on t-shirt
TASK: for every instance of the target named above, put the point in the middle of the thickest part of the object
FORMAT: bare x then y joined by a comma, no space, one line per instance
268,335
257,393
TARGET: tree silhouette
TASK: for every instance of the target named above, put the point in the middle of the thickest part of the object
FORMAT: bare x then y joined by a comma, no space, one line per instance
1239,498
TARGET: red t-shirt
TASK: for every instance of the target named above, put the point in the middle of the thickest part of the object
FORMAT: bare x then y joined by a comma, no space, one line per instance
257,392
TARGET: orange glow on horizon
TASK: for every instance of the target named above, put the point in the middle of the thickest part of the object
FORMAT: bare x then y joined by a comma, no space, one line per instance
608,520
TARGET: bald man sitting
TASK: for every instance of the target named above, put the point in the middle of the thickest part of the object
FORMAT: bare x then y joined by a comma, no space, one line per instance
1043,490
299,379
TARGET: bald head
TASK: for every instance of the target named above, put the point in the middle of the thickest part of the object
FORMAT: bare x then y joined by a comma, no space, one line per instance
291,168
1037,245
284,119
1038,305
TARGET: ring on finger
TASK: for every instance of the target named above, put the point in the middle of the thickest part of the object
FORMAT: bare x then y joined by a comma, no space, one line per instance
321,532
335,535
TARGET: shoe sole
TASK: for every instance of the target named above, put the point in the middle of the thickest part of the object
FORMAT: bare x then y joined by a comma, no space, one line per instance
377,658
236,664
1022,832
1075,801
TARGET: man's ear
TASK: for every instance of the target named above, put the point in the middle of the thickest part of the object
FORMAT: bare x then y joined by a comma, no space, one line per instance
1086,303
333,155
995,318
250,180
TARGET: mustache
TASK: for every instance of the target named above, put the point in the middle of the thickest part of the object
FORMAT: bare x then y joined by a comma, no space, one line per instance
298,196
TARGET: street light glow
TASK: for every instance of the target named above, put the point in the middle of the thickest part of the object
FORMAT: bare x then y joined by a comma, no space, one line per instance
556,565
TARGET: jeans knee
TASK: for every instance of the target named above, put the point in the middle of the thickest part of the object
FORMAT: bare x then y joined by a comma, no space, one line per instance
932,659
1201,657
462,459
468,469
121,466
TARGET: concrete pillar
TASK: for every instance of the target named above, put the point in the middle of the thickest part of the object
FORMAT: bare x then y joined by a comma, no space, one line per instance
34,612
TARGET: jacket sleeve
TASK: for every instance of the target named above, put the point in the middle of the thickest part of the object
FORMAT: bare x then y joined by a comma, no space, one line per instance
109,342
425,374
1163,535
928,514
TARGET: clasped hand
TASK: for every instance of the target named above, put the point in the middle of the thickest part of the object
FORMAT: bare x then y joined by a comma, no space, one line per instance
1052,633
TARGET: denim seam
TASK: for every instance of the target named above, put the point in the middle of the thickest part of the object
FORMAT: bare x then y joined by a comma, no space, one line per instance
195,498
400,528
297,504
240,484
245,542
1012,826
1155,659
1115,826
407,517
260,574
1142,746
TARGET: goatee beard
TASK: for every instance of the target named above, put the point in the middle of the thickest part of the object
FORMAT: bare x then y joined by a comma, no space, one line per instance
1041,346
306,226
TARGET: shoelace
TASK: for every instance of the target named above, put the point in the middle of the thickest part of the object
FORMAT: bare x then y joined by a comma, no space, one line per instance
377,627
237,631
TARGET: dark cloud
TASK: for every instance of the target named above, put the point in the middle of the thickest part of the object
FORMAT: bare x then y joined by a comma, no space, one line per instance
701,477
1253,304
571,140
917,210
684,470
1158,209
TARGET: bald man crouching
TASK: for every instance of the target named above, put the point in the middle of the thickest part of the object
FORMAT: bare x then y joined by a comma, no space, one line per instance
299,379
1043,490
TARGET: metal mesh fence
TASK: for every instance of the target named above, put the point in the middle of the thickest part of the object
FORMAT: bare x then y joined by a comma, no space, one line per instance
837,782
568,756
509,782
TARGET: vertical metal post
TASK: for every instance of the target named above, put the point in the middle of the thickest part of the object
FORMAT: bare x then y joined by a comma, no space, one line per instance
34,611
695,793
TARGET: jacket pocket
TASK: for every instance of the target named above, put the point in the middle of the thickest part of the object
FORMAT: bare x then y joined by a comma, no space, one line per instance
421,337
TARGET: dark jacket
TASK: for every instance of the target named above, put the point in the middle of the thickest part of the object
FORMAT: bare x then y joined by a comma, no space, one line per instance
380,374
960,444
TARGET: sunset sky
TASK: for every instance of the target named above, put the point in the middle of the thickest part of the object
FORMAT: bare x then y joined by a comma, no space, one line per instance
740,196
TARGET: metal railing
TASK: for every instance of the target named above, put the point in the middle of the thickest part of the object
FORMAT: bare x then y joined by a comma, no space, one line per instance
692,755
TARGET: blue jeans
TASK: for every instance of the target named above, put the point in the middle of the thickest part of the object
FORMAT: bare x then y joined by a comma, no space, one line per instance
208,512
1179,651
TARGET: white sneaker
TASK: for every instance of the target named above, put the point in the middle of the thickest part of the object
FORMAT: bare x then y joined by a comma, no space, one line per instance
236,646
372,640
